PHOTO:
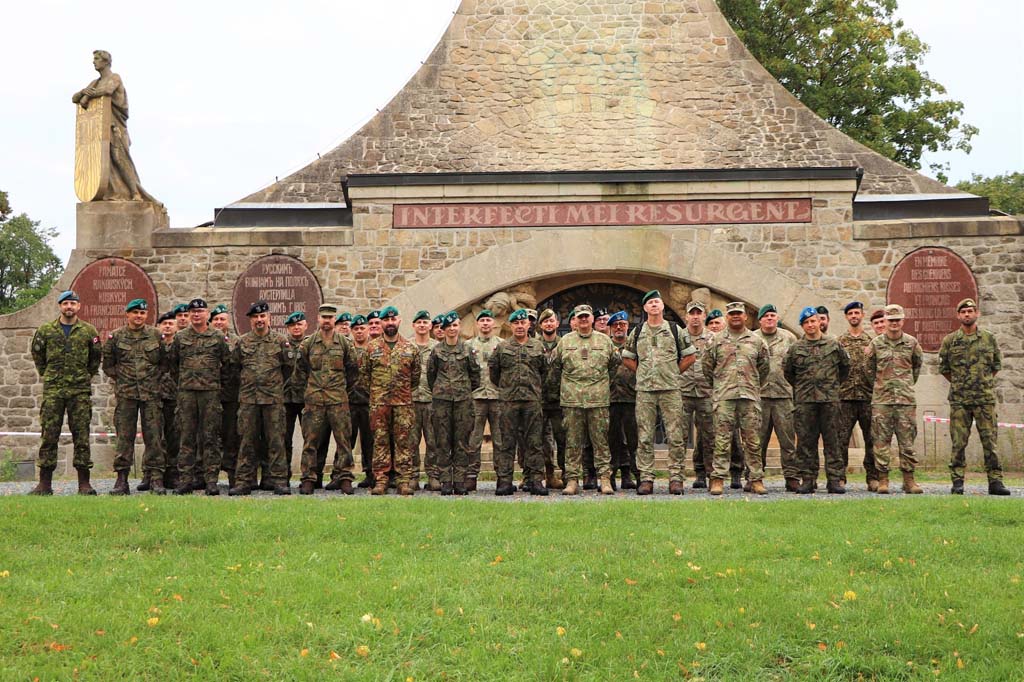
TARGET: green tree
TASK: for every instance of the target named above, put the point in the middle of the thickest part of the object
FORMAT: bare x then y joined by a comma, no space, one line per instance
28,265
1005,192
855,65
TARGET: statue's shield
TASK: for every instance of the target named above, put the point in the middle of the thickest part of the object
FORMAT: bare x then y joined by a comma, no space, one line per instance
92,149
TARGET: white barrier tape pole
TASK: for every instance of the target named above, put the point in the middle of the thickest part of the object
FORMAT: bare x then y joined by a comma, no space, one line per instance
945,420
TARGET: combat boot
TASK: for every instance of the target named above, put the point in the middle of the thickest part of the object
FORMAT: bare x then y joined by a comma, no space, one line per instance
504,488
700,482
212,489
872,481
333,484
446,488
405,489
121,486
84,487
306,488
958,487
572,487
392,480
757,487
433,485
611,479
283,489
156,486
746,486
554,481
910,486
266,484
241,490
835,487
736,483
45,485
606,486
716,486
184,489
996,487
367,482
792,485
460,488
143,485
590,481
346,487
538,488
807,487
645,488
469,484
883,484
627,479
380,487
676,488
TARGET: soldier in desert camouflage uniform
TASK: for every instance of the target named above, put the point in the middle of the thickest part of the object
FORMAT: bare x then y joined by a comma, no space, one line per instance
423,428
855,392
777,395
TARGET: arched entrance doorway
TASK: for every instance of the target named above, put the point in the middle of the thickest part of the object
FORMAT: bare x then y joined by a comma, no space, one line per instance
600,295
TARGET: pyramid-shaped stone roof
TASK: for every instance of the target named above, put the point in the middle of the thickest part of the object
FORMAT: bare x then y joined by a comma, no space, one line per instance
555,85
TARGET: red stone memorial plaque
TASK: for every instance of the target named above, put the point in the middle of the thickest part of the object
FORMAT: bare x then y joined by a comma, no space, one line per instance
106,286
928,283
283,282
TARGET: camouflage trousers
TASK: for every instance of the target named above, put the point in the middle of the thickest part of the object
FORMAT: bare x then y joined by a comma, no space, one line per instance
960,419
261,426
229,437
522,425
814,421
745,415
777,414
890,420
393,422
126,418
851,413
671,405
453,428
171,437
78,407
292,416
485,411
318,423
700,413
423,429
622,436
581,423
554,438
362,435
199,422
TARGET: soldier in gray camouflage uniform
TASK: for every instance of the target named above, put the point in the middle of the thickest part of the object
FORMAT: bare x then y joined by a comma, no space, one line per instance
777,395
855,392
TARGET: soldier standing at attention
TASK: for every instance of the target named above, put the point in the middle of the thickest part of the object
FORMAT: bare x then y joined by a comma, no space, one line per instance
736,363
823,319
359,402
220,319
168,406
622,431
855,393
452,375
485,398
695,390
815,366
373,324
260,357
894,361
658,352
392,372
134,358
554,433
181,316
294,384
343,325
436,330
67,355
969,358
518,368
777,395
201,356
423,428
583,366
878,322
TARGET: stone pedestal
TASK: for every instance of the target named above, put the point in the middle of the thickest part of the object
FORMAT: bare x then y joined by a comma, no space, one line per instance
119,224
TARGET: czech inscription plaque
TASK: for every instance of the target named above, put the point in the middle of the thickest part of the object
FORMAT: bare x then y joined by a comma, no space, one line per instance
106,286
283,282
928,283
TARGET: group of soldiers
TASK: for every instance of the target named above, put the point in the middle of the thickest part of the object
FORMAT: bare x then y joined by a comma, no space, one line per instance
576,412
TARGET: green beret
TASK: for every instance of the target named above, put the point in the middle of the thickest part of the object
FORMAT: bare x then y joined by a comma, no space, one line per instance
438,319
179,309
217,310
373,315
572,314
713,315
358,320
449,319
421,315
297,316
136,304
485,313
344,317
520,314
765,309
390,311
653,293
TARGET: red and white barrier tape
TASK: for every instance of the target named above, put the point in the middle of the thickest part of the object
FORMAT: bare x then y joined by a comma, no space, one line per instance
945,420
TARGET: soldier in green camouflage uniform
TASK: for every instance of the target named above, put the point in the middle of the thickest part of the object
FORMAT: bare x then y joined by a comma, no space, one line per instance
623,440
134,358
777,395
220,319
855,392
168,407
518,368
294,386
969,358
202,358
815,366
453,374
359,402
391,372
67,356
736,363
894,361
554,431
423,428
485,398
583,366
695,390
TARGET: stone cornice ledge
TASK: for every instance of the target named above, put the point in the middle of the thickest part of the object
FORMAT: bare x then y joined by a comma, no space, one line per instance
992,226
203,237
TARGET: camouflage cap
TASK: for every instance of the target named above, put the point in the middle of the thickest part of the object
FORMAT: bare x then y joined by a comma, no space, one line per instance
520,314
68,295
807,313
583,309
894,312
545,314
297,316
620,316
257,308
358,320
735,307
531,314
966,303
765,309
421,315
136,304
696,305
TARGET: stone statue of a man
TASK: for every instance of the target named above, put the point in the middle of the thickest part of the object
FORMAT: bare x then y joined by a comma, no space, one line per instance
124,180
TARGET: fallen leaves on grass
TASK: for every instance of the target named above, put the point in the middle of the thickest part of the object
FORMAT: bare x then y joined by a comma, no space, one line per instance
701,646
630,581
497,560
5,574
152,622
335,656
575,653
54,646
560,631
362,650
677,617
304,653
849,595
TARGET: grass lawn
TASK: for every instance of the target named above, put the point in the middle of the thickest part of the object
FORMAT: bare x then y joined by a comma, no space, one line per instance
429,588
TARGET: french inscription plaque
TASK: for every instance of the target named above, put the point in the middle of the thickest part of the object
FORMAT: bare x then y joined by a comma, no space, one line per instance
928,283
283,282
106,286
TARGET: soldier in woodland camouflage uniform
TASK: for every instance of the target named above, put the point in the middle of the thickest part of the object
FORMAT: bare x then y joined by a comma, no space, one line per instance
583,365
67,354
736,363
134,358
777,395
855,392
485,398
622,430
260,357
392,372
220,319
168,406
815,366
202,359
894,360
294,385
423,428
359,402
695,389
518,368
453,374
969,358
554,432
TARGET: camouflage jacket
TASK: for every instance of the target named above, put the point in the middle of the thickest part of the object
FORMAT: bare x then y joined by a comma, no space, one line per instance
294,377
422,392
453,372
229,387
484,348
260,362
779,343
895,366
135,360
518,370
551,392
391,374
169,374
859,383
692,382
202,360
358,392
971,362
736,366
583,368
657,351
330,371
623,386
815,369
67,364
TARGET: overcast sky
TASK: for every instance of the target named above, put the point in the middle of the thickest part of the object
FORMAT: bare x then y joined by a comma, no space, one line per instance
226,96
